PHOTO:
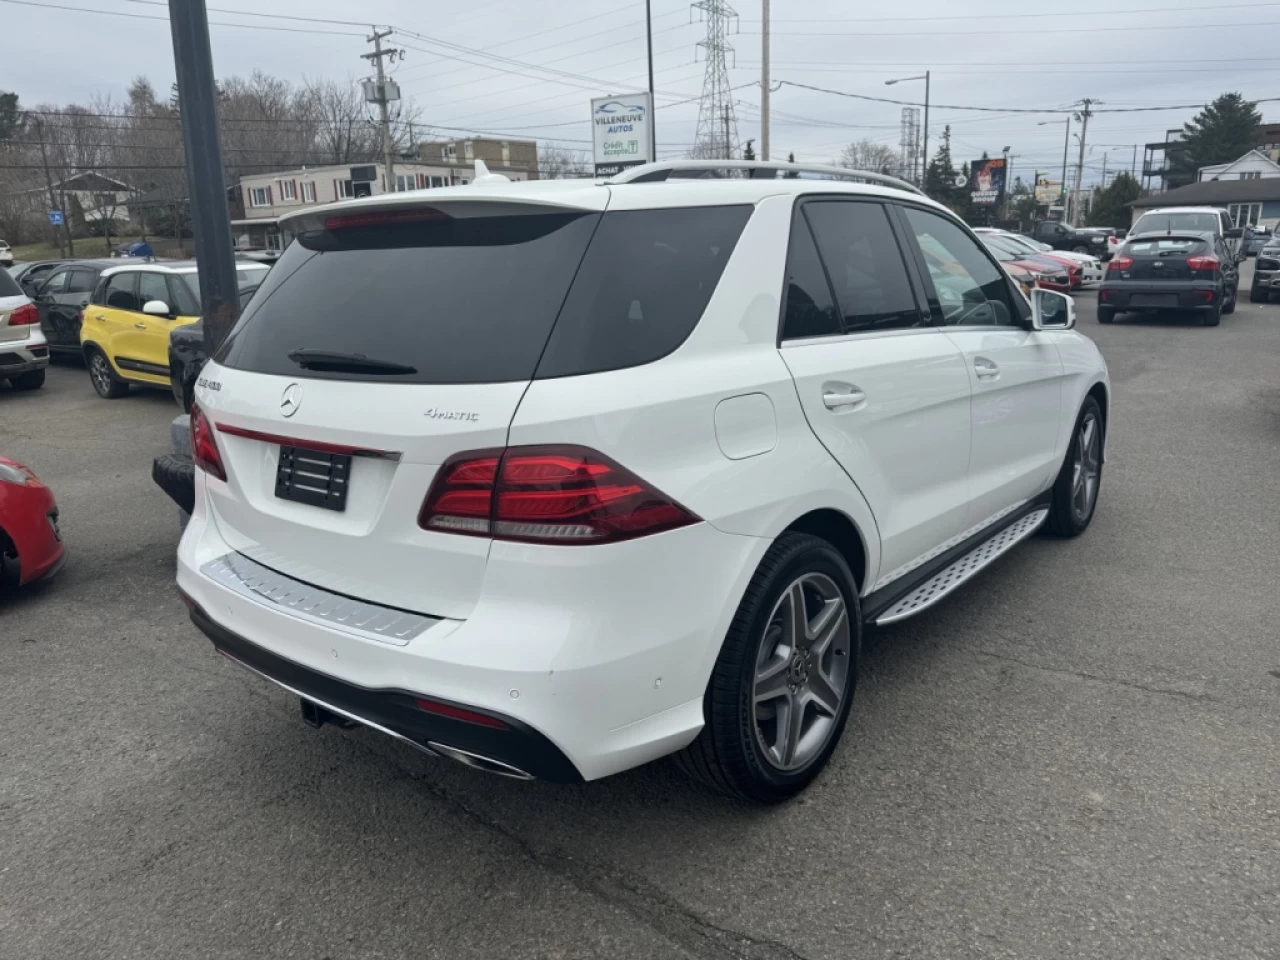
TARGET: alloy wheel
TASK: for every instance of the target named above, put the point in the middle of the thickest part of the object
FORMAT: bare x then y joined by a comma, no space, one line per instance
101,372
802,672
1086,469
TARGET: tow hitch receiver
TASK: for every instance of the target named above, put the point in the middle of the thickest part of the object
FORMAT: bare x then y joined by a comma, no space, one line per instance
317,716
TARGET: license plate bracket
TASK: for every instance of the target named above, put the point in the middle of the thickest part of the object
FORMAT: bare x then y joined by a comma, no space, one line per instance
314,477
1154,300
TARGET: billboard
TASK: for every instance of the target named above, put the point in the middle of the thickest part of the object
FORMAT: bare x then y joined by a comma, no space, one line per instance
621,132
986,182
1048,191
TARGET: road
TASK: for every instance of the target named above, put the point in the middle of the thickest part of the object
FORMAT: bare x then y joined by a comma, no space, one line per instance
1078,756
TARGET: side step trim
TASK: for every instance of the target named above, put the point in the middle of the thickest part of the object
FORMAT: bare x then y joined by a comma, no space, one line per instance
963,569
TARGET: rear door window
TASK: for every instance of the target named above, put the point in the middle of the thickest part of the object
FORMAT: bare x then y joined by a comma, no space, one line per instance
642,287
865,266
56,284
81,281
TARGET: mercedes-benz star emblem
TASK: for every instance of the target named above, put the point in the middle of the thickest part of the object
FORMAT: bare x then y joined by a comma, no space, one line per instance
290,400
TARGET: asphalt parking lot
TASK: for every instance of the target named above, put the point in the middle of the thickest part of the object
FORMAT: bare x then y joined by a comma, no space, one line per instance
1077,756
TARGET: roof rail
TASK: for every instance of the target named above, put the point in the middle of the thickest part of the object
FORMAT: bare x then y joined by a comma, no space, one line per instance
756,170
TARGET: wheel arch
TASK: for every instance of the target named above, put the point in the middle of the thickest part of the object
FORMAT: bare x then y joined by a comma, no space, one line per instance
842,533
1099,393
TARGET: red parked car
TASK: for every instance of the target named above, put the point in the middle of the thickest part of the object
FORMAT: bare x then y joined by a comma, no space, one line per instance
30,542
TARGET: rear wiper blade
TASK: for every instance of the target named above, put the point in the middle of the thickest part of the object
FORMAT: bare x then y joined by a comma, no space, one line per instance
346,362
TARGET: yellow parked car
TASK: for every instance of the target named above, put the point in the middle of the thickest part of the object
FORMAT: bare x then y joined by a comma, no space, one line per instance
125,328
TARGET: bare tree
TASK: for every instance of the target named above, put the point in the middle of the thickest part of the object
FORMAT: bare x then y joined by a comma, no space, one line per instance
866,154
557,163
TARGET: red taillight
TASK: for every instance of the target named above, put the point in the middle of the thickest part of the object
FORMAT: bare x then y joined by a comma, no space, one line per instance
1206,262
384,218
204,449
560,494
459,713
25,315
1120,263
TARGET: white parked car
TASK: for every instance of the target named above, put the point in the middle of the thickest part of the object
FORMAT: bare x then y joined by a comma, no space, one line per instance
24,352
557,478
6,255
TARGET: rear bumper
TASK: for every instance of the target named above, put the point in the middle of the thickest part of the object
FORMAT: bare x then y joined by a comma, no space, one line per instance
24,356
1176,295
596,658
394,712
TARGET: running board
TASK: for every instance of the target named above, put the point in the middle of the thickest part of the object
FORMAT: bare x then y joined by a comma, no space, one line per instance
968,566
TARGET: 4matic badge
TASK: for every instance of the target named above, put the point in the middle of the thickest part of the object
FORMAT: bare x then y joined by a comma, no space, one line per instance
436,413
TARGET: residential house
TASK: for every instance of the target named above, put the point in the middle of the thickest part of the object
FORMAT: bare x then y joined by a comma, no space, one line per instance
269,196
500,156
1254,165
95,195
1255,200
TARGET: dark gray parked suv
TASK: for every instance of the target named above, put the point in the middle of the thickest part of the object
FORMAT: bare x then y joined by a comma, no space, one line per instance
1266,272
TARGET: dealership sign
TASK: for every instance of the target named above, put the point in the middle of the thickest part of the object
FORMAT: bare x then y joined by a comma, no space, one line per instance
1048,191
621,132
986,182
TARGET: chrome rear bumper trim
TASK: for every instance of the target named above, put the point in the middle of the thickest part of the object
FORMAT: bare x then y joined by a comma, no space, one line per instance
252,580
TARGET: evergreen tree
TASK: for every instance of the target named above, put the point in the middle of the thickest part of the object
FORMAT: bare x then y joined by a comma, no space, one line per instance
940,177
748,152
12,120
1223,131
791,158
1109,207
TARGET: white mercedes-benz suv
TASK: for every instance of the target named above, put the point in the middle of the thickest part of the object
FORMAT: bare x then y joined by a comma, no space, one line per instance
556,478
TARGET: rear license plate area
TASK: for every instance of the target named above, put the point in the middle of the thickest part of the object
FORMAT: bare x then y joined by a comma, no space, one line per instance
314,477
1153,300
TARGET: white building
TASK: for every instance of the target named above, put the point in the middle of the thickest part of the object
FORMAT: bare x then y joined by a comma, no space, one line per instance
268,196
1254,165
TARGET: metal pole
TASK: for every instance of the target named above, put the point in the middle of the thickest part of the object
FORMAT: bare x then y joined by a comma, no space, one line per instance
764,81
924,148
1066,145
388,151
653,126
1104,171
210,221
1133,172
1084,132
728,147
48,179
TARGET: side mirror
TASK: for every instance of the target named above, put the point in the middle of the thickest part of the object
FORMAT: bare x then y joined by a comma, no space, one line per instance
156,308
1052,311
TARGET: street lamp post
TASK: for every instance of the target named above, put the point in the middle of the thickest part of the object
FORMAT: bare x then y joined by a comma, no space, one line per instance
1066,145
924,146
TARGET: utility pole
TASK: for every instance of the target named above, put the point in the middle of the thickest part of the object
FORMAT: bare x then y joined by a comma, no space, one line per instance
1084,133
1104,171
388,151
764,81
1066,145
653,126
1133,171
728,147
53,197
202,144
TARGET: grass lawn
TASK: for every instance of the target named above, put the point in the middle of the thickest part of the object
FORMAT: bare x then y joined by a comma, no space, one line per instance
85,247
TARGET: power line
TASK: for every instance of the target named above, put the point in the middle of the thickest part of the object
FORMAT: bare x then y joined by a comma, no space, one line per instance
143,16
991,33
1108,11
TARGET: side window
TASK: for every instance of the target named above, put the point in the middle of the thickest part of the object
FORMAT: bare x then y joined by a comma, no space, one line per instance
866,267
181,300
152,286
810,310
119,291
57,283
970,289
80,281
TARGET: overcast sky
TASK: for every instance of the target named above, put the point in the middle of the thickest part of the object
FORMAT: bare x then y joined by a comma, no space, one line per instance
1127,53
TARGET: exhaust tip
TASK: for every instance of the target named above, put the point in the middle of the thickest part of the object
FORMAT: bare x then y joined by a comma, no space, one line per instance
478,762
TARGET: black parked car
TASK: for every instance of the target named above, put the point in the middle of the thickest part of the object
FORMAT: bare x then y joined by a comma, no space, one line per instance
61,300
30,274
187,352
1060,236
1160,272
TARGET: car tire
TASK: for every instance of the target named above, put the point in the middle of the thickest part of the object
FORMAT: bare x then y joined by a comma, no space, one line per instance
1259,295
1230,306
103,377
1080,248
1106,314
1074,497
761,676
1212,317
31,380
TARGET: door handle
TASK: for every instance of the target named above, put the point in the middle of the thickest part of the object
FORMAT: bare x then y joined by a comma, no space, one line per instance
99,316
141,326
834,400
985,369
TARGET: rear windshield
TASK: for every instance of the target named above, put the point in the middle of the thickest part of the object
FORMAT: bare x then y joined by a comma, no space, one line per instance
1173,222
475,299
1165,245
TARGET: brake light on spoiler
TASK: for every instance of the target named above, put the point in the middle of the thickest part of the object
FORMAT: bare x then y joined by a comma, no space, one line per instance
546,494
